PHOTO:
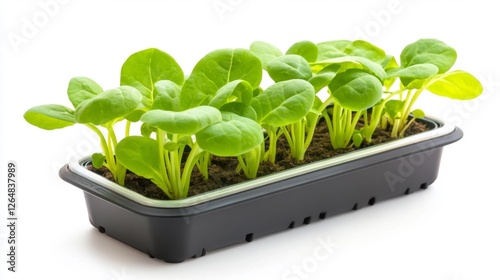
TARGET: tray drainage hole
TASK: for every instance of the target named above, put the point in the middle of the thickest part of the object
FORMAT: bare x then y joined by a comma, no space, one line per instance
423,186
307,220
249,237
407,191
355,207
101,229
371,201
322,215
292,225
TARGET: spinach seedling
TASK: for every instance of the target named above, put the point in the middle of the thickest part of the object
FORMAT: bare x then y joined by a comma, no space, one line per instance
425,65
225,79
94,108
194,118
163,159
353,74
294,65
142,70
280,105
352,92
210,82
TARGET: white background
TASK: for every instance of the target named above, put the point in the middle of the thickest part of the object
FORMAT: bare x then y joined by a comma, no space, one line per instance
448,232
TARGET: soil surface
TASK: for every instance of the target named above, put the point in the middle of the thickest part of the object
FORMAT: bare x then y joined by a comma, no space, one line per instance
222,170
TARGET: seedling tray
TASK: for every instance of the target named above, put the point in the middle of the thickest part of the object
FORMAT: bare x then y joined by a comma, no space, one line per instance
176,230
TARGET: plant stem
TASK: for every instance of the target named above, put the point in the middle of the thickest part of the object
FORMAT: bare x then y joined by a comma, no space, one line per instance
127,128
108,148
299,137
162,161
250,162
102,140
373,123
175,169
188,169
203,163
341,126
273,138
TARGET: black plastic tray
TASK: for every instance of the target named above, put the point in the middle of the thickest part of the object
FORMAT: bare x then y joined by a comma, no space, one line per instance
174,234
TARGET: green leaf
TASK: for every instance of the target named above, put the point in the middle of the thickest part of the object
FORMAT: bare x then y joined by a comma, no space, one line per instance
389,64
147,130
429,51
417,113
144,68
234,135
108,106
166,96
236,90
307,49
357,139
349,61
288,67
217,69
186,122
240,109
394,107
419,71
98,160
314,113
414,84
456,85
136,115
50,116
257,91
172,146
140,155
332,49
367,50
265,52
81,89
284,103
356,89
324,77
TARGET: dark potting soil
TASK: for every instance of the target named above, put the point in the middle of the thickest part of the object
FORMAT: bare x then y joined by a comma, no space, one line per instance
222,170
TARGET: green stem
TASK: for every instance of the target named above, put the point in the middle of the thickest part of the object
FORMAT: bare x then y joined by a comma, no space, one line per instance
395,128
242,166
271,152
288,137
325,104
188,168
203,163
375,119
119,170
338,127
329,125
127,128
310,133
294,135
351,126
402,133
108,150
301,136
102,140
175,169
163,161
250,161
406,107
412,102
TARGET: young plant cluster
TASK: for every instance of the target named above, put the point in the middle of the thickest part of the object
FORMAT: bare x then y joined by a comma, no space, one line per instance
221,108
